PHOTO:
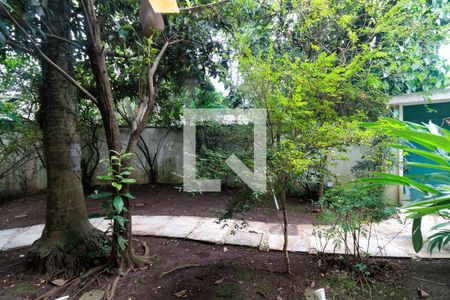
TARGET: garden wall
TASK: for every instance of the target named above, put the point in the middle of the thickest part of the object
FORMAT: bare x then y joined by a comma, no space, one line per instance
168,143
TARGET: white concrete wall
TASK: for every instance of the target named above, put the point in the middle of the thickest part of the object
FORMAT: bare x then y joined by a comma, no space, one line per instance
343,170
169,164
31,178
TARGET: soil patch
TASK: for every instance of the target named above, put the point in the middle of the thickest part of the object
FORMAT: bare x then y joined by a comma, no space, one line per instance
231,272
158,200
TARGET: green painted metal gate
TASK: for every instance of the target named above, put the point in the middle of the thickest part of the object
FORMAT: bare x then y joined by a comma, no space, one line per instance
423,114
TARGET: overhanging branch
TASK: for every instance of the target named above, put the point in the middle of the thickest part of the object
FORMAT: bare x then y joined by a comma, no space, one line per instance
197,8
47,59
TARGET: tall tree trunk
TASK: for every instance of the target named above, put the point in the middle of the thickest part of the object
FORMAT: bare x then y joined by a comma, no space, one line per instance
105,103
69,243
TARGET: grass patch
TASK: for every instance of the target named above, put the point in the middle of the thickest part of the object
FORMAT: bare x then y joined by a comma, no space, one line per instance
21,289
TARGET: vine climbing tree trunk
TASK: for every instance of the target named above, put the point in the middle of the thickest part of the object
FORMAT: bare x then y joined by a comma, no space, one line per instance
69,243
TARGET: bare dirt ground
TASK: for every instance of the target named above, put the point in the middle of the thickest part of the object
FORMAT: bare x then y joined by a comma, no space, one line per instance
230,272
156,200
225,272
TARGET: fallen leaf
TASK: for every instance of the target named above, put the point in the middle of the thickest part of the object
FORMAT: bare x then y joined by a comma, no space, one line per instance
21,216
422,293
181,294
58,282
219,281
279,297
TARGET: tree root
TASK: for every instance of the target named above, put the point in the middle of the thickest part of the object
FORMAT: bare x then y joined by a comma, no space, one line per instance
88,279
73,282
56,262
146,249
178,268
85,280
112,290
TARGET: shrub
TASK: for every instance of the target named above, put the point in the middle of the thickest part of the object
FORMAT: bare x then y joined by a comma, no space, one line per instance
351,211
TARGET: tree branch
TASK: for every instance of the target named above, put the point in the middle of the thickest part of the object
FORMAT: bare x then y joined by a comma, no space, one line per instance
14,44
160,55
47,59
81,46
203,6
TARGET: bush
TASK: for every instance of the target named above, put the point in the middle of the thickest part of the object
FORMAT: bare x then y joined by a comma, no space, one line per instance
349,211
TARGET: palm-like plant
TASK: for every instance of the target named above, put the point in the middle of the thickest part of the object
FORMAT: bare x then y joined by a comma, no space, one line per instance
431,142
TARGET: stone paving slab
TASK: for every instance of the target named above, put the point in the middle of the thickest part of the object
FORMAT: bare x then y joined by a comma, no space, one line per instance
143,225
179,227
24,237
305,229
295,243
278,229
96,222
260,227
209,230
6,235
243,238
389,238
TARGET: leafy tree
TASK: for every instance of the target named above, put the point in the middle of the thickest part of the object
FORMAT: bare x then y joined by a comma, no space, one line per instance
305,131
145,59
402,38
114,47
69,243
319,67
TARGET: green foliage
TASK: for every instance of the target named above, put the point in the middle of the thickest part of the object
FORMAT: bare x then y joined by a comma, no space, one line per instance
351,211
20,136
361,268
306,130
320,67
117,175
431,142
377,158
216,142
394,42
184,71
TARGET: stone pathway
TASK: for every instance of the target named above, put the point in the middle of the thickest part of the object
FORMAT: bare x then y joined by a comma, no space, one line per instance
390,238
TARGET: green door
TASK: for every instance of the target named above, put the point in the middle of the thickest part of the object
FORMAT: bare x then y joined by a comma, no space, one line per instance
423,114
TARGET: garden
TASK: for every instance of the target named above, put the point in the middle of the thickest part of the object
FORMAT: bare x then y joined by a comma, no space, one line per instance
228,149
